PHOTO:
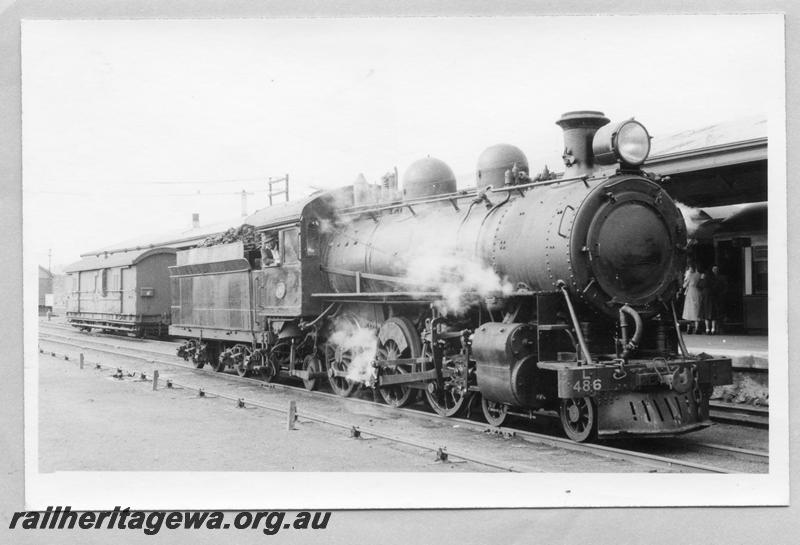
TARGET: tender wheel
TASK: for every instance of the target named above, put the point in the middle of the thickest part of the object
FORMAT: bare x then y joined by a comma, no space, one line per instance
243,357
218,362
494,412
339,359
199,352
398,339
311,364
579,418
212,354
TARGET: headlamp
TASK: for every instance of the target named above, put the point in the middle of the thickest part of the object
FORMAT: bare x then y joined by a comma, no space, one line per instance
627,142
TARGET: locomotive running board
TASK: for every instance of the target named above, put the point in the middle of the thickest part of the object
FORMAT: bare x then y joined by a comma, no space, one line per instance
381,296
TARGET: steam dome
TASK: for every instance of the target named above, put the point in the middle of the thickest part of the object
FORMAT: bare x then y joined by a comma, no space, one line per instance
495,161
428,177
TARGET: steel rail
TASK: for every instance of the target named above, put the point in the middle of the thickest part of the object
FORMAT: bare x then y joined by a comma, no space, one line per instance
73,329
557,442
254,381
738,408
758,454
739,418
513,468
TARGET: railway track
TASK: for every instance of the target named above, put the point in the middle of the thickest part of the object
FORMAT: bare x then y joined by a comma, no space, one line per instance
741,415
728,413
635,456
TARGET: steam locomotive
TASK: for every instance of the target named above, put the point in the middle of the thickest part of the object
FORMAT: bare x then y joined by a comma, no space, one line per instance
524,293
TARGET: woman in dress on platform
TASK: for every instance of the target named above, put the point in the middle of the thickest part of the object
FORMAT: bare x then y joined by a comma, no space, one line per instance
691,303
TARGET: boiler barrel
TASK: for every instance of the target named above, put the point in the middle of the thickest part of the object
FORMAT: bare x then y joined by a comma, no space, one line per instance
613,242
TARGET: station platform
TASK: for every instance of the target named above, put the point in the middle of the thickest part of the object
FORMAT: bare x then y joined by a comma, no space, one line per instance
746,351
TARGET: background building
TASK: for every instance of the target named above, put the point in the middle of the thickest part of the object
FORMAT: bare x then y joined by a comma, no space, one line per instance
720,173
45,290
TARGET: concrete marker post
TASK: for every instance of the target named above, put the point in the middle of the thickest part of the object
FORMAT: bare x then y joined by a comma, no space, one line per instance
292,415
155,379
81,360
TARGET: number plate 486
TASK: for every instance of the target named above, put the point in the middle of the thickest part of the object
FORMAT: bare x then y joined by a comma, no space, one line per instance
588,385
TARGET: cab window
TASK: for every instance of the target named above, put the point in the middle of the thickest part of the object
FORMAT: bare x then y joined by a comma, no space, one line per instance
312,238
290,245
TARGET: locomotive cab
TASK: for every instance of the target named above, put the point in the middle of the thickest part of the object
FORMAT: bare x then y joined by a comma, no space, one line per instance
277,284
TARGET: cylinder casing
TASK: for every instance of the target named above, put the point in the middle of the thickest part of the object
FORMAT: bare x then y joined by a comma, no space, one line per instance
505,357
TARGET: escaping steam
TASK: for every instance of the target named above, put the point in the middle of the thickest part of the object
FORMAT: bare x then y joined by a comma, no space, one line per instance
462,281
694,218
360,346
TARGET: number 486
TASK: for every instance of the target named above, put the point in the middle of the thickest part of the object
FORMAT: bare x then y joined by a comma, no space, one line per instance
588,385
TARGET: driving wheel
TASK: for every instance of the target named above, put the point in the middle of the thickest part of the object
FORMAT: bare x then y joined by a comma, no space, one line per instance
398,339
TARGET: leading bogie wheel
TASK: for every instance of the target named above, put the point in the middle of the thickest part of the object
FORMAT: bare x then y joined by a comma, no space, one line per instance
454,398
495,413
579,418
452,401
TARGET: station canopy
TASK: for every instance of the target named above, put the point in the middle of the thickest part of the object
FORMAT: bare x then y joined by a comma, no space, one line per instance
715,165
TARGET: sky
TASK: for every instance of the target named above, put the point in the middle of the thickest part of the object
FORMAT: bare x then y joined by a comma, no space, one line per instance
129,127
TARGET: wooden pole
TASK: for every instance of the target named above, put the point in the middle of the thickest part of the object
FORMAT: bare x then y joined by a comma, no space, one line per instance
155,379
81,360
292,415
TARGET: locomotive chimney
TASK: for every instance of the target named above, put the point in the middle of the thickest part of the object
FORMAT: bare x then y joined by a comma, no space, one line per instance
579,128
195,220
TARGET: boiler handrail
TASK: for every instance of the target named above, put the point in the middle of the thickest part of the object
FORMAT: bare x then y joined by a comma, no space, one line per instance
581,341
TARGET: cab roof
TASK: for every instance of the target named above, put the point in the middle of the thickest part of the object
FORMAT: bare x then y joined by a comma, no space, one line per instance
290,212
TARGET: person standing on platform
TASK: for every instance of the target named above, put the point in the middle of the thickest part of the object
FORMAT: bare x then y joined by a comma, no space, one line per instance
691,303
718,292
707,313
